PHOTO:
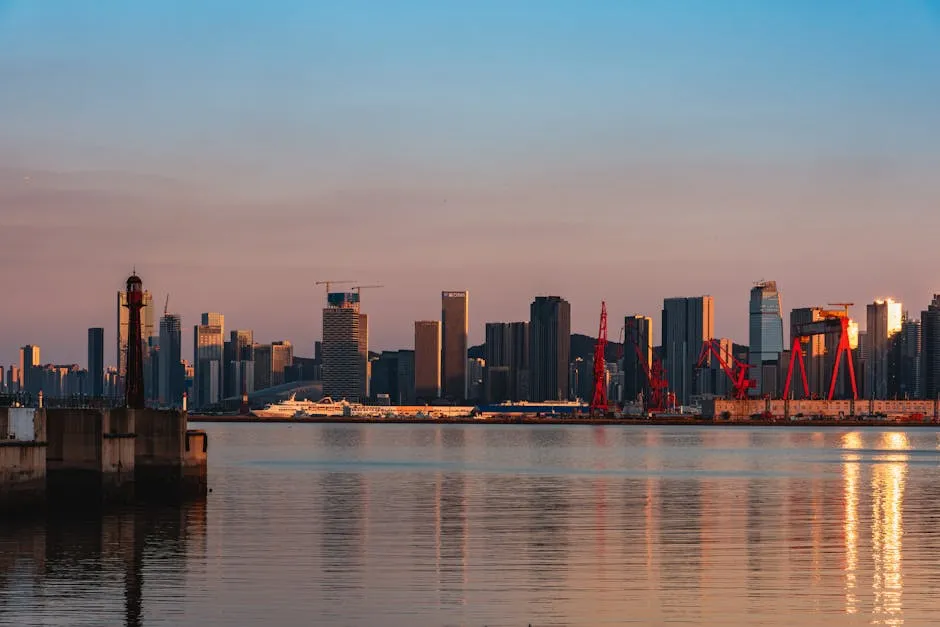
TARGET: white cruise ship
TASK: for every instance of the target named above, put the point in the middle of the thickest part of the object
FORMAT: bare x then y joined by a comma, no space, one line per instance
292,408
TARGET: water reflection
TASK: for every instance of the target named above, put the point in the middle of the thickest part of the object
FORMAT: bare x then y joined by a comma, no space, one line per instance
850,472
409,526
887,485
99,566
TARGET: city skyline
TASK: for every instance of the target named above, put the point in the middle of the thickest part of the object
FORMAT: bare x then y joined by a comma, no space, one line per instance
477,337
681,138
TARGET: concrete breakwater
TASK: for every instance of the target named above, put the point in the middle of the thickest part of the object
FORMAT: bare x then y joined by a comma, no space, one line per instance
93,456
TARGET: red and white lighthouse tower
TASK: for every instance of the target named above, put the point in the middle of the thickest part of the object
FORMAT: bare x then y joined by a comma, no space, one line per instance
134,377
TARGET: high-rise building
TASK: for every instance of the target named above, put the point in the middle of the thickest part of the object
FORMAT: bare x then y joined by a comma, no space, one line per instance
239,363
282,357
884,323
208,346
14,379
766,333
506,353
549,348
345,347
930,349
637,357
171,385
687,323
455,328
30,381
475,367
908,359
263,368
95,362
393,374
427,358
146,329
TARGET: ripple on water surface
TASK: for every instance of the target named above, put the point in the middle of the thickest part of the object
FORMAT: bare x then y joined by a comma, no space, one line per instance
507,525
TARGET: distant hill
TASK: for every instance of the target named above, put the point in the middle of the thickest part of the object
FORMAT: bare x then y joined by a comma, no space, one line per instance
581,346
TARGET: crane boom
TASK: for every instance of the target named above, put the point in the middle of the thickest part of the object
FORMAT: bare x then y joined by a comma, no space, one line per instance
736,371
599,399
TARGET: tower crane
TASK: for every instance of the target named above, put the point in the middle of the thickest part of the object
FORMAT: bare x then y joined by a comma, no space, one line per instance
331,282
599,398
357,288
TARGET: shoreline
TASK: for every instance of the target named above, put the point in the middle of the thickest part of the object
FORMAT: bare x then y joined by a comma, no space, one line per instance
533,420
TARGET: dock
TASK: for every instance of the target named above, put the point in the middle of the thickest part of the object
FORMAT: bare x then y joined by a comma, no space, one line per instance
79,457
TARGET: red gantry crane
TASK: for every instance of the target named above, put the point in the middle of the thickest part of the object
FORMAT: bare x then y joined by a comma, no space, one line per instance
599,398
736,371
831,321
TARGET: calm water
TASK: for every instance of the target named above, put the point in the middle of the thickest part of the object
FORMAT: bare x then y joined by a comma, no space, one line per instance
509,525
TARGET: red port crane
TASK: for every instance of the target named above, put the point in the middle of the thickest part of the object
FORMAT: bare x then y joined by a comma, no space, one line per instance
831,320
599,398
736,371
656,400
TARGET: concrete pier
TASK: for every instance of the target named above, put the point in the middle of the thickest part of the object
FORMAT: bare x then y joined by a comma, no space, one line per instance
22,460
170,459
87,457
90,456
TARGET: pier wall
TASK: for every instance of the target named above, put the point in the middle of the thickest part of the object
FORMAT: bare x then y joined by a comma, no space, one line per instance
22,459
22,475
891,409
86,457
171,459
90,456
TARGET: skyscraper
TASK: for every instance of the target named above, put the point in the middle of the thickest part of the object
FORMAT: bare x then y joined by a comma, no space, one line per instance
908,360
239,362
687,323
506,356
262,370
549,348
208,346
282,357
30,381
172,378
146,328
884,323
95,362
637,334
14,379
427,358
930,349
455,327
345,347
766,333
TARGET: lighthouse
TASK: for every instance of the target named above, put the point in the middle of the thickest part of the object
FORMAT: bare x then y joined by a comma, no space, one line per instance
134,377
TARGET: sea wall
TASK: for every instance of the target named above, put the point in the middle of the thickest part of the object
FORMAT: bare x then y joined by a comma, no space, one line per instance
893,409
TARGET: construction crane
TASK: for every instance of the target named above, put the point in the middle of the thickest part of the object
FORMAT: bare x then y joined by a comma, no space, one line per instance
599,398
656,400
831,320
357,288
620,347
329,283
736,371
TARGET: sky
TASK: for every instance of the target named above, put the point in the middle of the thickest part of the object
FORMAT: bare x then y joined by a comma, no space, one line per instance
627,151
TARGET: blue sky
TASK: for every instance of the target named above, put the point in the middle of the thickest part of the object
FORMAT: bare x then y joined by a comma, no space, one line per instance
236,151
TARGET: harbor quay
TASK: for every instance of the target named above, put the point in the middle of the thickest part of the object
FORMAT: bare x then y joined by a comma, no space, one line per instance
82,457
